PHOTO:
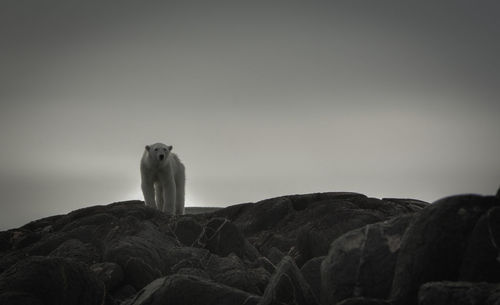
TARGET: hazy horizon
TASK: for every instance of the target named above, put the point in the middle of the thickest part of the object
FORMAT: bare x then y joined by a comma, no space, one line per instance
259,99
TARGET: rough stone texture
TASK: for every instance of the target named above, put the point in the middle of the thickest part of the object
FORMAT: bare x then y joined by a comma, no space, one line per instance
187,231
106,254
481,260
434,244
231,271
275,255
50,280
138,273
456,293
361,262
179,257
494,297
309,223
184,289
127,245
222,237
75,249
288,286
312,274
110,274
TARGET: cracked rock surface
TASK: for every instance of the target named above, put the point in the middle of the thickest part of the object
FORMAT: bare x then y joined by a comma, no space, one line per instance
312,249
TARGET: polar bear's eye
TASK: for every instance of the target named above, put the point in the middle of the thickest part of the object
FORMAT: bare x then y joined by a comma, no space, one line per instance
164,149
156,149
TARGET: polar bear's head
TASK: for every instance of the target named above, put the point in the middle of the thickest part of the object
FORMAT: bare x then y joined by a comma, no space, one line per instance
159,151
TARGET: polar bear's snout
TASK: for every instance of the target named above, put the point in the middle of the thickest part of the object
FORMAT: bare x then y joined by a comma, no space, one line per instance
161,157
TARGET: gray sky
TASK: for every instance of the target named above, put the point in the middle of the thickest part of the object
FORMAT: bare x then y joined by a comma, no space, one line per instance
258,98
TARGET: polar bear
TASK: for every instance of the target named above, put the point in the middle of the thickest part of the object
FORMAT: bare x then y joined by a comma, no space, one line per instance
163,179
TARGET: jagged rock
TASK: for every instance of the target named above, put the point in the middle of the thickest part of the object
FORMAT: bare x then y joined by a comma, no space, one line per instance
456,293
187,230
138,273
231,271
110,274
141,240
127,233
51,280
288,286
185,289
494,297
22,238
265,263
310,222
363,301
312,274
145,244
222,237
123,293
434,244
185,257
275,256
259,277
481,261
361,262
75,249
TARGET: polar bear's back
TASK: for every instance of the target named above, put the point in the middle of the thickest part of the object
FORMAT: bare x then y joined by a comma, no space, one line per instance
176,164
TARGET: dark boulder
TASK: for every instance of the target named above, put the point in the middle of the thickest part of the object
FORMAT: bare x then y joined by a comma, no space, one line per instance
312,274
121,243
185,257
222,237
124,293
434,244
288,286
361,262
456,293
494,297
184,289
231,271
275,256
138,273
308,223
127,245
138,239
51,280
110,274
75,249
265,263
480,261
187,231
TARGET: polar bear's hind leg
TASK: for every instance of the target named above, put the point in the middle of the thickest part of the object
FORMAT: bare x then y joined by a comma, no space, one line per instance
169,198
180,184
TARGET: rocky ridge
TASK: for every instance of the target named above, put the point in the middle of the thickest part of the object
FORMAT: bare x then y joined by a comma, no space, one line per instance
322,248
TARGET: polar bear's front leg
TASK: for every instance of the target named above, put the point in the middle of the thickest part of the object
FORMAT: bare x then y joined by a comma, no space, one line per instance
169,198
149,193
159,196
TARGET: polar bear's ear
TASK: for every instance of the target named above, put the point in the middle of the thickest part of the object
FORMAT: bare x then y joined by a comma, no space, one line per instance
170,147
148,147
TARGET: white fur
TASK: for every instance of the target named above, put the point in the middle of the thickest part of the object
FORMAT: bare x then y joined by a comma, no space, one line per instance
163,179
